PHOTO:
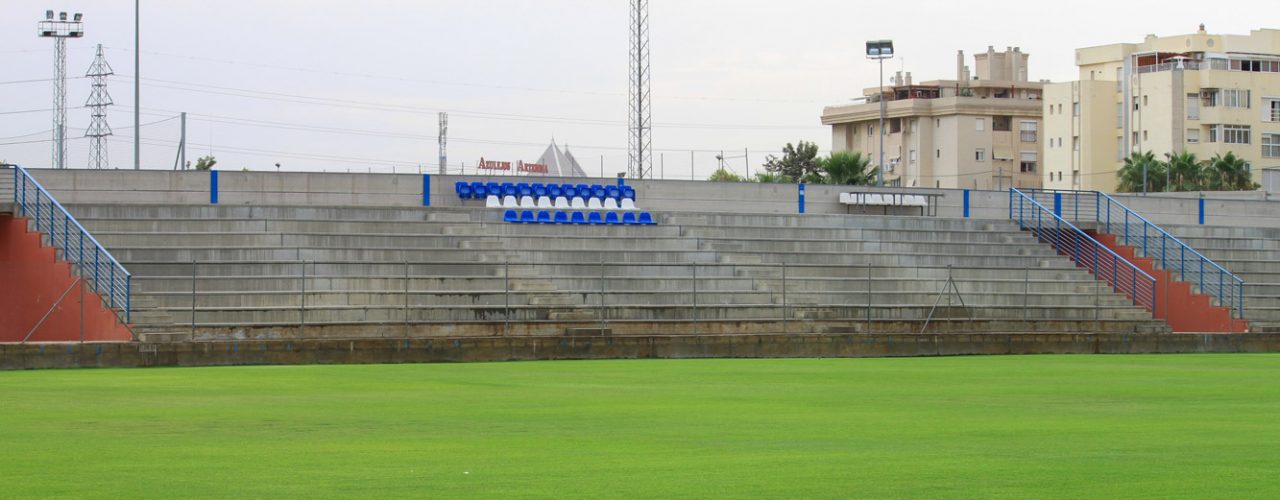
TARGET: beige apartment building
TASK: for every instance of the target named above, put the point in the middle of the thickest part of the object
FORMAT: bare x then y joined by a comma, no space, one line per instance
981,130
1207,94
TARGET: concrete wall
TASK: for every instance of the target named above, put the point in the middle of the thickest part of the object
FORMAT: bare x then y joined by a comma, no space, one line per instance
37,356
1253,209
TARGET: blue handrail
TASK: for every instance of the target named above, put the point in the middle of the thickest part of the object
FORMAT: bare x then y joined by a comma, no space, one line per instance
96,265
1069,240
1151,241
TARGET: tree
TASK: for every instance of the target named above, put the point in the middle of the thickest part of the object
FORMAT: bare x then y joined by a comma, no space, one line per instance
722,175
206,163
797,161
1184,172
1228,173
771,178
848,169
1131,173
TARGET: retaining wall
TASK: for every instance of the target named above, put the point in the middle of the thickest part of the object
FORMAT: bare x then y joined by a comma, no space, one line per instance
116,355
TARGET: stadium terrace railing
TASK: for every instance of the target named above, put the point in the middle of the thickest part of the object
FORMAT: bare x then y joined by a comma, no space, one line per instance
1149,240
95,264
1069,240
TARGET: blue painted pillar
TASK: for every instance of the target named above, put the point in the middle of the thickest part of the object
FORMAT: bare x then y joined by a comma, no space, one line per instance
801,185
620,182
1057,204
213,187
966,203
1201,211
426,190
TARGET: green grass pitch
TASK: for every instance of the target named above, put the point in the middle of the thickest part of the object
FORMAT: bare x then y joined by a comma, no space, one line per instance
1014,427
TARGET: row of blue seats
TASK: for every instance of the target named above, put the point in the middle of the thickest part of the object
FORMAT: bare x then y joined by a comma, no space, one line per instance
481,190
579,218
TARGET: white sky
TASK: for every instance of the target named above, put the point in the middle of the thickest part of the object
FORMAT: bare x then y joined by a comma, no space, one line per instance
727,75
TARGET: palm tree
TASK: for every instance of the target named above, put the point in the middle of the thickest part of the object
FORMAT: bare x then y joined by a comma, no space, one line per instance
1136,167
1228,173
848,169
1185,172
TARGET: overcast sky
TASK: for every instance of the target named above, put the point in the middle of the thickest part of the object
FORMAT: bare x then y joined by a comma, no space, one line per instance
269,81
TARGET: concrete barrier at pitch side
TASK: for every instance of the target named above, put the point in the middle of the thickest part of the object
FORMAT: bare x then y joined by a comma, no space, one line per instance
368,351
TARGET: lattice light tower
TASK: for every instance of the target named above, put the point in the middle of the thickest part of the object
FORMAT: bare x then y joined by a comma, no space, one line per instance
639,117
444,142
98,101
60,30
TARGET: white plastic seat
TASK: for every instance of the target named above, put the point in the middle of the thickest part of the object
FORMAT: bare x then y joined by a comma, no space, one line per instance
510,202
628,204
562,202
578,204
610,204
492,201
545,202
594,204
916,201
844,198
527,202
872,199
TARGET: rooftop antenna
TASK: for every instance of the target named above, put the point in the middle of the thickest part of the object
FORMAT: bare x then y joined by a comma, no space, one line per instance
639,118
60,30
98,101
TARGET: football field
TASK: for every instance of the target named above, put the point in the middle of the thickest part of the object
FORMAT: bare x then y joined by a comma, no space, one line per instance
1012,426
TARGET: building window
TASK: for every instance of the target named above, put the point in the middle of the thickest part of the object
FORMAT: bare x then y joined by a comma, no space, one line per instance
937,154
1119,148
1230,134
979,155
1002,123
1144,100
1135,103
870,130
1193,135
937,122
1075,143
1119,115
1272,108
1028,162
1236,98
1193,107
915,126
1209,98
895,125
1075,109
1144,135
1271,145
1135,138
913,156
980,124
1029,132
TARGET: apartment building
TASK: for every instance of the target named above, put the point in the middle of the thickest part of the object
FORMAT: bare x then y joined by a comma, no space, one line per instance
981,130
1206,94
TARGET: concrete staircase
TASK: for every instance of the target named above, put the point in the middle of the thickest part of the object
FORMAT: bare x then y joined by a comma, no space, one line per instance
290,272
1251,253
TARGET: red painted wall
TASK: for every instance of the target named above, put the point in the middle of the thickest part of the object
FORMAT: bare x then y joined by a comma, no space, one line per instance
1186,312
31,281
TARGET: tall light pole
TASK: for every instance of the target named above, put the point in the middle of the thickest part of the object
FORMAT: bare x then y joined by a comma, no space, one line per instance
880,50
137,91
60,30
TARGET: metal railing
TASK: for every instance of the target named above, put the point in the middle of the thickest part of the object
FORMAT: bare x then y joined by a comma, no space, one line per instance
95,265
1069,240
1150,241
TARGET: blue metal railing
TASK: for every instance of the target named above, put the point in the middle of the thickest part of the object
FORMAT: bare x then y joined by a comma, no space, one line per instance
1151,241
1087,252
95,264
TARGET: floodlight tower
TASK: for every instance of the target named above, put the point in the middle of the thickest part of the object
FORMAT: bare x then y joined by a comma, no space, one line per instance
444,140
880,50
639,118
97,104
60,30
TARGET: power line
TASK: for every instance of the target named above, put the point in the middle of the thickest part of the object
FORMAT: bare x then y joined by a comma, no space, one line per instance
38,80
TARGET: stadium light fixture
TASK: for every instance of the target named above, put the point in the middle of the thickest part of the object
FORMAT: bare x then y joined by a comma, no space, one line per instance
880,50
78,16
48,15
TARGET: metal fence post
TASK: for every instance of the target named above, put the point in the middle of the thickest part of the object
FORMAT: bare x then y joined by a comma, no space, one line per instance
302,310
1026,293
406,299
868,296
193,299
784,296
695,297
81,286
604,322
506,298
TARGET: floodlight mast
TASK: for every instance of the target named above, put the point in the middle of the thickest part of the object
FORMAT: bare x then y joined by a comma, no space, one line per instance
880,50
60,30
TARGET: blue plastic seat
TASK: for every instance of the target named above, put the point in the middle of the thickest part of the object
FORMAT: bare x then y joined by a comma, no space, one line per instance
629,192
611,219
508,189
523,189
568,190
584,190
595,219
539,190
511,216
463,189
629,218
554,191
561,217
597,192
578,218
647,219
613,192
478,190
527,217
544,217
493,188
